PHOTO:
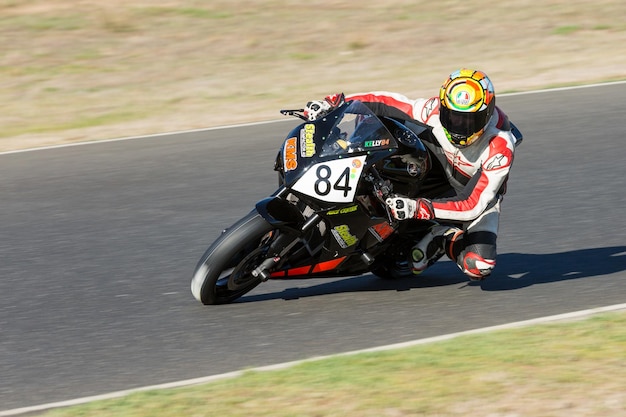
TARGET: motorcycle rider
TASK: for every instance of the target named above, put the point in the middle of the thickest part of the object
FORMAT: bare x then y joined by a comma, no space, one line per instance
474,142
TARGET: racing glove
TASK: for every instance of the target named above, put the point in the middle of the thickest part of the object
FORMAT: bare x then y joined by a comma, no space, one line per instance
408,208
320,108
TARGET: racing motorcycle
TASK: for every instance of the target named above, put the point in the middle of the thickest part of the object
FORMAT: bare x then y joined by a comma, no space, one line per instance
328,217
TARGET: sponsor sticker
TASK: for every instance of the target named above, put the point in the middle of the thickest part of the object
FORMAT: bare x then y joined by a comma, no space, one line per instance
343,236
344,210
307,146
289,154
376,143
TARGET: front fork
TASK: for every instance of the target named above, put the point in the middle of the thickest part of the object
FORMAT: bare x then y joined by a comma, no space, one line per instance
281,246
292,224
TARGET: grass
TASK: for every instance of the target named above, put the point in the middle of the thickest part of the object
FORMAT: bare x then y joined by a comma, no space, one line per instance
560,369
226,62
566,30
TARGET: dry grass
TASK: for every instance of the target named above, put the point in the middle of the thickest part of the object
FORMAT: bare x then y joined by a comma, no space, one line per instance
75,70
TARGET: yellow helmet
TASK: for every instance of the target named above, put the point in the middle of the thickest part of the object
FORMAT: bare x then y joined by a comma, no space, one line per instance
467,101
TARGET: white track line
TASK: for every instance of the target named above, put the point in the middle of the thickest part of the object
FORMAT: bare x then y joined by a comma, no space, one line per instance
576,315
156,135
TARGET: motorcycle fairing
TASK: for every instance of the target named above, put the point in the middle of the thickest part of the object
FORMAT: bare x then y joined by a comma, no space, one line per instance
308,270
351,231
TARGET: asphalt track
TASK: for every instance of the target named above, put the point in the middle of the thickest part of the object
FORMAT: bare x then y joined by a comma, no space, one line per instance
98,243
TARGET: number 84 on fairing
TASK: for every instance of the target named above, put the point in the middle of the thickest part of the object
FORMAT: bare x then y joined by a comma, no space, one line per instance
332,181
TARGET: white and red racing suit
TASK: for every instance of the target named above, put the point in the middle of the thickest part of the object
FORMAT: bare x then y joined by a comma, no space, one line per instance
477,174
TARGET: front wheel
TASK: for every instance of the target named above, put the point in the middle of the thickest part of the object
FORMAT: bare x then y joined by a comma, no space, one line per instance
223,274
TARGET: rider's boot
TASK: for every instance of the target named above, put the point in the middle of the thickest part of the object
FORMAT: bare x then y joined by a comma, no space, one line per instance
432,247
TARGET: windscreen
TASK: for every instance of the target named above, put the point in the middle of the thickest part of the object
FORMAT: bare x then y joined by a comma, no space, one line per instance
357,130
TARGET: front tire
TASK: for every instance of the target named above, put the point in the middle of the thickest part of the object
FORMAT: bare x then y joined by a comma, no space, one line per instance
232,257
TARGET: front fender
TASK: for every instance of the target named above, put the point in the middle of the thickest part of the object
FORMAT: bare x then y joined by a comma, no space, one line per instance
280,213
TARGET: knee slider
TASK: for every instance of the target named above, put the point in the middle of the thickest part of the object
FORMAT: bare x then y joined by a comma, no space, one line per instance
476,267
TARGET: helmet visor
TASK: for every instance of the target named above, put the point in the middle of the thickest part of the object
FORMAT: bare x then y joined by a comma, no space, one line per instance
463,124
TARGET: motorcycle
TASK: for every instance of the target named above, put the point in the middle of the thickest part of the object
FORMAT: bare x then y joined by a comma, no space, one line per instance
328,217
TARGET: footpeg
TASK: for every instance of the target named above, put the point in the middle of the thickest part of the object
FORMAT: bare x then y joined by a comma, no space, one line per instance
367,258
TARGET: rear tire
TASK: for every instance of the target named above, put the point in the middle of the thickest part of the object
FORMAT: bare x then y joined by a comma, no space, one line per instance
238,251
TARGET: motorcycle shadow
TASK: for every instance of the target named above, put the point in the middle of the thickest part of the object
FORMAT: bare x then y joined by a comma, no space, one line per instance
447,274
514,271
519,270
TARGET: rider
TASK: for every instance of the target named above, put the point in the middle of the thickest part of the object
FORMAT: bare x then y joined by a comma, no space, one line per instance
474,142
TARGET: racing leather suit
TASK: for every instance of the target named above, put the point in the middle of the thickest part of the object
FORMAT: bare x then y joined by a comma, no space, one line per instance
477,175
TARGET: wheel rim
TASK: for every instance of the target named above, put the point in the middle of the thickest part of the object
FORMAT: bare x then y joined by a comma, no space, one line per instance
241,277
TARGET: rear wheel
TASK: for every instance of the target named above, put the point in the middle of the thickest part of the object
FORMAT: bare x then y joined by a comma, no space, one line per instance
224,271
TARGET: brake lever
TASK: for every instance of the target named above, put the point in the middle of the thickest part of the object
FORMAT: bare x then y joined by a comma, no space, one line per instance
295,113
